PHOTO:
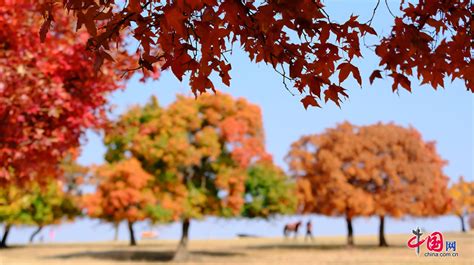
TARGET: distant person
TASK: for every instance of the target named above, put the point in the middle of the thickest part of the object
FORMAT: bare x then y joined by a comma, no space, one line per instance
309,231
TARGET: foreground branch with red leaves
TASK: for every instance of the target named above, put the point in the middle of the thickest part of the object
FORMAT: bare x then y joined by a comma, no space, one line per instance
49,94
431,40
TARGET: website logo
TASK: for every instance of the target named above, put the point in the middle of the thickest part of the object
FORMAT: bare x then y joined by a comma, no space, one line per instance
435,244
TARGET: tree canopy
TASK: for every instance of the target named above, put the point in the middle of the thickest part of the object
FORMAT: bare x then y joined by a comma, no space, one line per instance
36,205
429,40
199,148
462,193
268,192
49,93
381,169
122,193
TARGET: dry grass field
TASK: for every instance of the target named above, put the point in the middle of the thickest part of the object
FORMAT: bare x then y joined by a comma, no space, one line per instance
324,250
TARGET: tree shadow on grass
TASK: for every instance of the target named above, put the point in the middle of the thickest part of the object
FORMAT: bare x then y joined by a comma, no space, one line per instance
11,247
69,246
140,255
315,246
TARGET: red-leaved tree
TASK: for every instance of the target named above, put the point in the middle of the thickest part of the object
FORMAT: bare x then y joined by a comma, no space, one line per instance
49,94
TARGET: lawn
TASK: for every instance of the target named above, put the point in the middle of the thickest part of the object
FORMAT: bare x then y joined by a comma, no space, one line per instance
324,250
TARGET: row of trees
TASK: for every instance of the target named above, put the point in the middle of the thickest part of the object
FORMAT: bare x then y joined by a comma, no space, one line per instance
194,158
382,170
50,92
197,159
204,157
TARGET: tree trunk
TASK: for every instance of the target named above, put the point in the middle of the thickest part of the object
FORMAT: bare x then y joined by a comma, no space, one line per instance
382,241
3,244
36,232
133,242
116,231
350,232
181,253
463,226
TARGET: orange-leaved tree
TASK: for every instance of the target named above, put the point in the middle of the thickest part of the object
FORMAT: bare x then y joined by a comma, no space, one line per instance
403,172
462,193
320,163
197,150
381,169
123,193
429,40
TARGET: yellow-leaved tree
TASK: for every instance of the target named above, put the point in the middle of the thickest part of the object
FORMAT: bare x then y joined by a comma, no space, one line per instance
462,193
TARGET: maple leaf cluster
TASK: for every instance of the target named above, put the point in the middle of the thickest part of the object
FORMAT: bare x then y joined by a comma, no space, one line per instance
381,169
296,37
432,40
49,93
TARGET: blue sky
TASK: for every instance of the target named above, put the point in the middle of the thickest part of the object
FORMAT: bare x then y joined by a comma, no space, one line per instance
445,116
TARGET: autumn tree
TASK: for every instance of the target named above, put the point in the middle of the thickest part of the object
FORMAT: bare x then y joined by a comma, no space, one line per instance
198,151
50,205
61,196
471,221
429,40
381,169
462,193
49,93
35,205
12,202
319,162
268,192
122,193
404,173
52,201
